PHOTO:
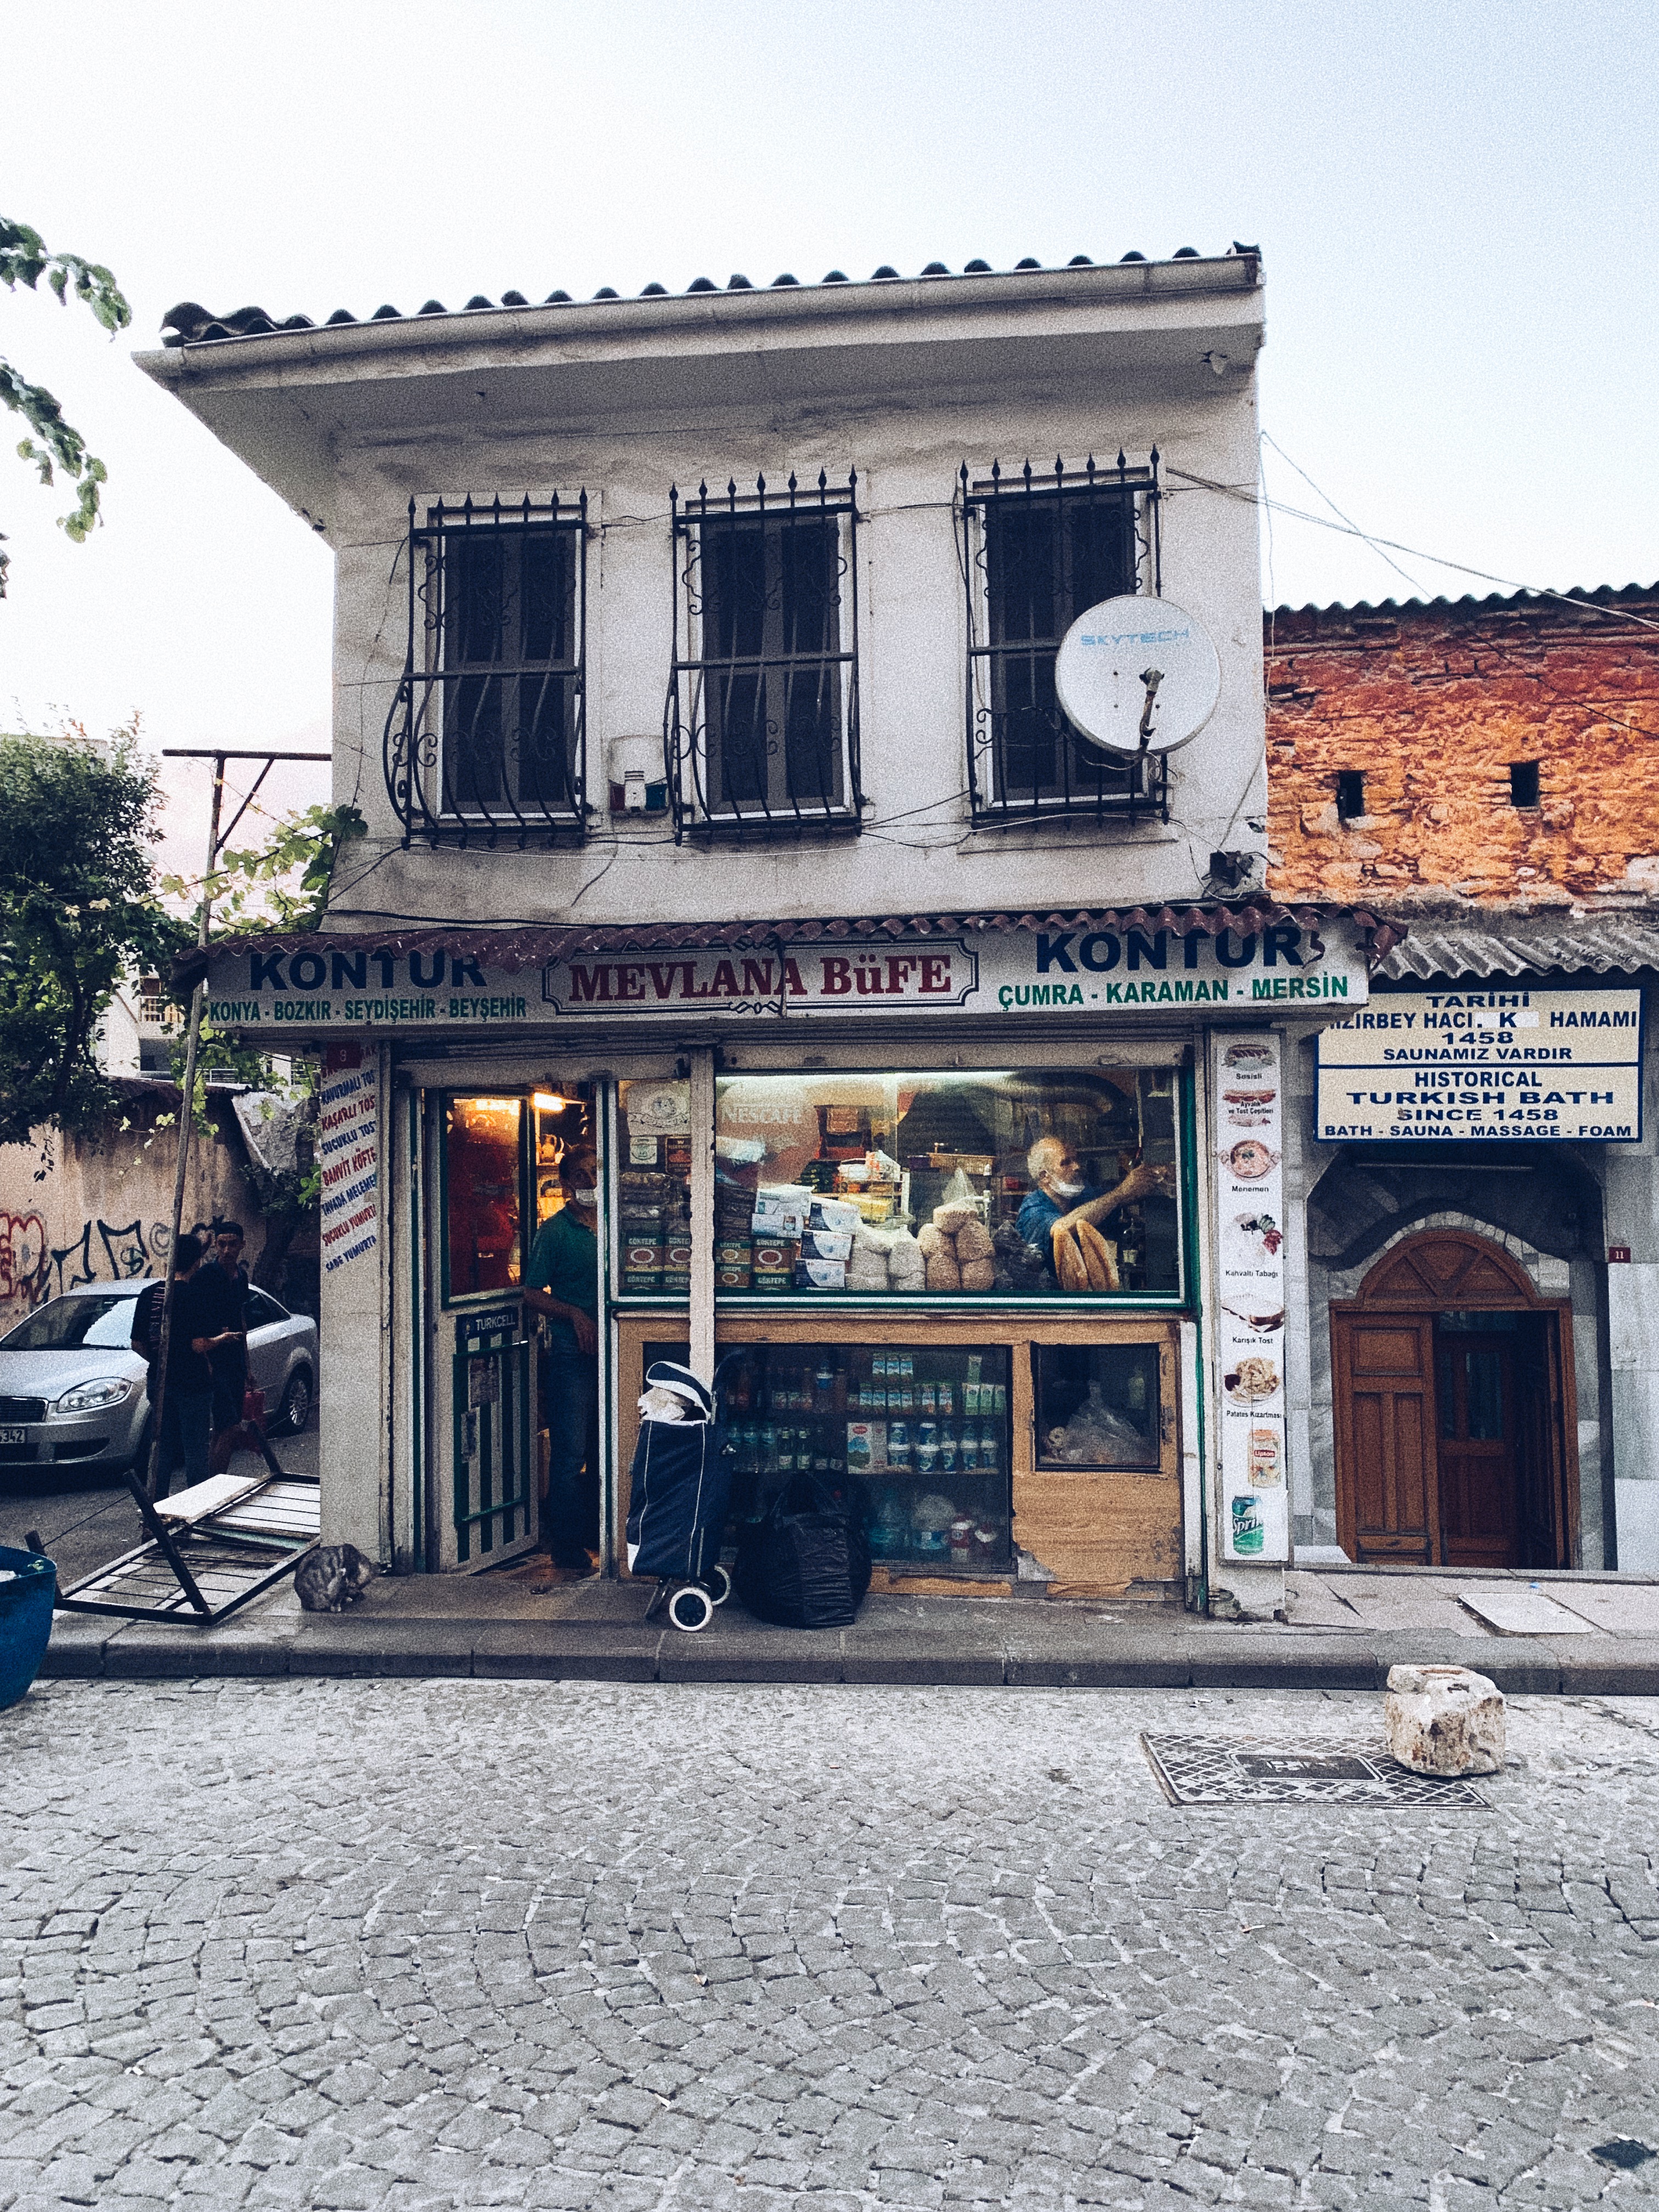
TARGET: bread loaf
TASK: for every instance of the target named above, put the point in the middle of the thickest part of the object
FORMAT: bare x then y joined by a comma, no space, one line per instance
1097,1257
1069,1266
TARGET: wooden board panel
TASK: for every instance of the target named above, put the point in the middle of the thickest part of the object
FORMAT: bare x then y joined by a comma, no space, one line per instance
1099,1532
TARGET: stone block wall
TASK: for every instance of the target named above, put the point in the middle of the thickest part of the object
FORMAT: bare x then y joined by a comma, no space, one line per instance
1433,705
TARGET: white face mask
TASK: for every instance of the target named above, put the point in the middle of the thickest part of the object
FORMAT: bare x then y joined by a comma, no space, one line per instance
584,1197
1067,1189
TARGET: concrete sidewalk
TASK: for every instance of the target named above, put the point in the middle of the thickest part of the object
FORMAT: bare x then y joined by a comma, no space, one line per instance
1346,1627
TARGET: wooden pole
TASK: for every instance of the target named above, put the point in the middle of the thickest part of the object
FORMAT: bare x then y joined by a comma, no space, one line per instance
186,1115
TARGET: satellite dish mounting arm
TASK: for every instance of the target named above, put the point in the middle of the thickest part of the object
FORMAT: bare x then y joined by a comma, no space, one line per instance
1151,677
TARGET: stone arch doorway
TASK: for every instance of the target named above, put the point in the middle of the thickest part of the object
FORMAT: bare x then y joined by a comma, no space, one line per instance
1455,1423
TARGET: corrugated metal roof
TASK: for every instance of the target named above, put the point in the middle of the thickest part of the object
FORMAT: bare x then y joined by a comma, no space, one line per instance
532,945
1605,943
1600,597
189,324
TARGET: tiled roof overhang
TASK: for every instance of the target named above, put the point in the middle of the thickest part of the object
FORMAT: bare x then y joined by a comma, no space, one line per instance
518,946
1602,944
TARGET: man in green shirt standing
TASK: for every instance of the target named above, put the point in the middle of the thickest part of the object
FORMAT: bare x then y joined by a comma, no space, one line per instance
562,1284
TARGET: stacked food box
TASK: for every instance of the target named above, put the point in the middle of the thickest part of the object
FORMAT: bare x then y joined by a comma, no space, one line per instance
654,1223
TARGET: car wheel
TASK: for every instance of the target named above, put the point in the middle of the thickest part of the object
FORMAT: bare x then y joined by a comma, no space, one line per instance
296,1409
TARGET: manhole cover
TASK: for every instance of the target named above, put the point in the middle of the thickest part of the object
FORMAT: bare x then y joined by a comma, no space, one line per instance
1206,1771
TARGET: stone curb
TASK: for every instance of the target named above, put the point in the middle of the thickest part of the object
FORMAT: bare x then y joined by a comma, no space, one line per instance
1158,1656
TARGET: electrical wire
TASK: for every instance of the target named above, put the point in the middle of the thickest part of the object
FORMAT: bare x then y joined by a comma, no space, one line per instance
1578,601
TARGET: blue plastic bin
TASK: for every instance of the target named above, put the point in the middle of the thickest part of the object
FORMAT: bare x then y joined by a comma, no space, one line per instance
24,1620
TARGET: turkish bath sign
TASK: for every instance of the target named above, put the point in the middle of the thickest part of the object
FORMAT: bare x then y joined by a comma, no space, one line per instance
1044,977
1440,1066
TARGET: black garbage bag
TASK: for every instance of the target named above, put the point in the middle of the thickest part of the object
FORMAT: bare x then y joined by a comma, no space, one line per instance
805,1564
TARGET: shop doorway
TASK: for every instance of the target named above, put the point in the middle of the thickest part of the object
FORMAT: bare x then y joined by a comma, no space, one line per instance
489,1399
1454,1427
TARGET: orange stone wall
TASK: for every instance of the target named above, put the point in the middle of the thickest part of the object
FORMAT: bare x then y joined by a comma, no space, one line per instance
1433,703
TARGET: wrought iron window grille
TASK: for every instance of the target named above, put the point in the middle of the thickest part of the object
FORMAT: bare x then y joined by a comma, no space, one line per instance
1036,548
761,722
486,735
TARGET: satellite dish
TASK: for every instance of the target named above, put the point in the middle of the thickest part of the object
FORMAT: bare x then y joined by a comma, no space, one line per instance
1138,676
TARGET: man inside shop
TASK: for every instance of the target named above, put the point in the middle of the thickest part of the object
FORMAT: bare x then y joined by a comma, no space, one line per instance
1062,1192
224,1285
562,1284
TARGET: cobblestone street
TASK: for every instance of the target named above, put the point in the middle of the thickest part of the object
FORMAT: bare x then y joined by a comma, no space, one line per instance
423,1944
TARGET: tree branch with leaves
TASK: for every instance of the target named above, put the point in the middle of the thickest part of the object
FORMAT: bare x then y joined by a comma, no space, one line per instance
78,914
54,443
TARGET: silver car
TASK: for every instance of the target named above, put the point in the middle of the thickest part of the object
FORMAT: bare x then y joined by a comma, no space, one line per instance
72,1391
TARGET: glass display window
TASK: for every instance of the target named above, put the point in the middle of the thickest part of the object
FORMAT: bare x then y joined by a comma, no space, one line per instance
484,1247
1052,1184
918,1436
653,1189
501,1157
1097,1405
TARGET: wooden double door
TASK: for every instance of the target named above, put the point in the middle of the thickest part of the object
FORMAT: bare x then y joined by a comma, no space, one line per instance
1452,1421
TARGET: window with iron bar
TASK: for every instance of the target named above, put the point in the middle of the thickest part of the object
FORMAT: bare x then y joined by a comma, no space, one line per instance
761,723
487,733
1039,548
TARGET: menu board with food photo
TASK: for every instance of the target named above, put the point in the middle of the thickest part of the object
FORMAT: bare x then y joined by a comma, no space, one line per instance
1248,1123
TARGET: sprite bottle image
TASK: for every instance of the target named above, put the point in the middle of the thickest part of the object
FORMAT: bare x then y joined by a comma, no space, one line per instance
1249,1530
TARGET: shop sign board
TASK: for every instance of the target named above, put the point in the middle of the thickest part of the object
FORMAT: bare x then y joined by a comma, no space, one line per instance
1247,1117
1042,979
349,1157
1458,1066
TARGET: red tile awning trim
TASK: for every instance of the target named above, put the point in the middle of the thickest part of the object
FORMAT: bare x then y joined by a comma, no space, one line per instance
526,944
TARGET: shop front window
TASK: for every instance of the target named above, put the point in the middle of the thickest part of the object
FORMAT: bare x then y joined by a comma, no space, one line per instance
653,1189
1097,1405
917,1437
482,1248
1049,1183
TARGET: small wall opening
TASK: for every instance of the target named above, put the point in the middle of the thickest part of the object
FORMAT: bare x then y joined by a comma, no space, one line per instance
1350,793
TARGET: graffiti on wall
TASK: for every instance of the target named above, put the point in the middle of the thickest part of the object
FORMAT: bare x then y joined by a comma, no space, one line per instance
34,1269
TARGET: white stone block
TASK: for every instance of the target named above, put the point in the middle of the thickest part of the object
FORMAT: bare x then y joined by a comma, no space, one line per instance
1444,1720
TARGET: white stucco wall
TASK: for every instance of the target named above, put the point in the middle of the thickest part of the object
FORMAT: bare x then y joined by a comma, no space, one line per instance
902,384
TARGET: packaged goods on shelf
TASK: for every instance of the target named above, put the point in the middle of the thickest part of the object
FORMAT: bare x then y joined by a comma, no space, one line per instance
820,1274
826,1244
838,1216
780,1210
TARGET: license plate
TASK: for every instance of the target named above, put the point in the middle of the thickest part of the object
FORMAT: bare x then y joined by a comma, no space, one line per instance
14,1436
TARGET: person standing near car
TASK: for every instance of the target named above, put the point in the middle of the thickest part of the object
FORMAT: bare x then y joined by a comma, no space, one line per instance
224,1286
562,1284
187,1394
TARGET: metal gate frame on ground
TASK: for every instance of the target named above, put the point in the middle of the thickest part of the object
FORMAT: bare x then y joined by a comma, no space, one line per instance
204,1569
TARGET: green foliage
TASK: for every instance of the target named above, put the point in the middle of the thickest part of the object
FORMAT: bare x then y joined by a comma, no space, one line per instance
24,258
78,910
284,885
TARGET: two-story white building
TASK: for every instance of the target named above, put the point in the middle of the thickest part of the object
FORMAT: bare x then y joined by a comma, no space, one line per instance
695,673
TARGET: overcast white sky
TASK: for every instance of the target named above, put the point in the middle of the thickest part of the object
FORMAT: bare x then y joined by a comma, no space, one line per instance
1455,200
